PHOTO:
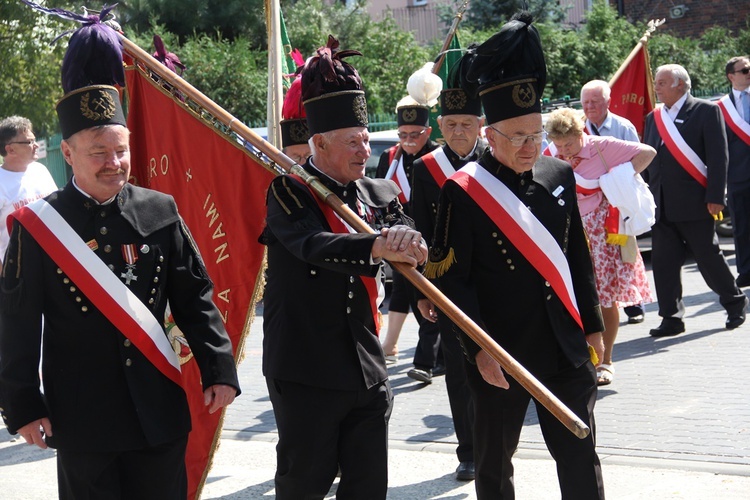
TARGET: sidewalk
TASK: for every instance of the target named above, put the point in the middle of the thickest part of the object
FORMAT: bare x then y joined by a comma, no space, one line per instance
675,424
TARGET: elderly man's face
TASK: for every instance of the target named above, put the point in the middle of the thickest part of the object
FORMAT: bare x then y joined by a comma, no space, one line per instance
594,105
518,158
460,132
665,91
413,137
100,159
343,154
297,152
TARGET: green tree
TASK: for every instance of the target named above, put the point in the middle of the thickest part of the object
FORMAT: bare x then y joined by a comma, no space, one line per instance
31,67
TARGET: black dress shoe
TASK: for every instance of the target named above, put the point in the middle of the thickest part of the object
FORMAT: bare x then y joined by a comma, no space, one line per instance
420,375
438,370
743,280
465,471
737,317
634,320
669,327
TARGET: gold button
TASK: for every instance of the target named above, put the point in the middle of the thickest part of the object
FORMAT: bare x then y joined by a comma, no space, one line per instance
351,295
509,261
111,267
59,271
128,362
158,269
78,299
151,300
153,291
348,310
161,258
103,230
549,297
503,251
351,279
66,280
494,235
313,272
156,279
546,283
84,309
512,268
361,261
127,343
107,248
72,289
335,260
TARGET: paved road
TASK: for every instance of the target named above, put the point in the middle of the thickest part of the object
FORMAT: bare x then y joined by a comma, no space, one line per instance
674,424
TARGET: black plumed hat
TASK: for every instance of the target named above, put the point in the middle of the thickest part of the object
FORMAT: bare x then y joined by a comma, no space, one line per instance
91,67
454,99
332,90
508,71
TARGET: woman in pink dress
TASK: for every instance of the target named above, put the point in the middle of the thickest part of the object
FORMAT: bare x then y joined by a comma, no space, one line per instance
618,283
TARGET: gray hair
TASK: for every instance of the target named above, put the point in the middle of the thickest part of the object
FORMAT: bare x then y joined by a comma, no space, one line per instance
678,73
598,85
11,127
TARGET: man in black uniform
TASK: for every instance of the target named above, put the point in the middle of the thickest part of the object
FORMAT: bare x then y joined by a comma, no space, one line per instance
322,359
396,164
99,260
512,254
460,123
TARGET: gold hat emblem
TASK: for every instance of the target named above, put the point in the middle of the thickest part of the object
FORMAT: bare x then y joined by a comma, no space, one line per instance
298,132
359,107
524,95
454,99
100,108
409,115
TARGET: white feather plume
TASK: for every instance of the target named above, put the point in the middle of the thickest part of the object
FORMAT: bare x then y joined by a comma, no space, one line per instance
424,86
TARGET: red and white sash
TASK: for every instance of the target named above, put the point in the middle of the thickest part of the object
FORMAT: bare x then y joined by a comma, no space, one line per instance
374,286
523,230
733,119
439,166
397,174
102,287
684,154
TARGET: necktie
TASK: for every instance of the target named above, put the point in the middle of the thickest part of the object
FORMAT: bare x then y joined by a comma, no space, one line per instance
745,105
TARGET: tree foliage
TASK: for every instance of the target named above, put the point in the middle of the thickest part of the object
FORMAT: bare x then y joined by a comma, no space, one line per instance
224,48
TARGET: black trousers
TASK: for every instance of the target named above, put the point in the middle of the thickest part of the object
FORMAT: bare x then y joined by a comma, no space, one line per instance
498,422
156,473
403,297
671,242
322,430
459,395
739,208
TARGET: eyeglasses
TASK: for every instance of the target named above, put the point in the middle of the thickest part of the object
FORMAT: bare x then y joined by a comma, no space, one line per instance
22,142
520,140
744,71
411,135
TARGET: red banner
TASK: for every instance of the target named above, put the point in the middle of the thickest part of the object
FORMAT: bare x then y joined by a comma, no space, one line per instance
632,92
220,191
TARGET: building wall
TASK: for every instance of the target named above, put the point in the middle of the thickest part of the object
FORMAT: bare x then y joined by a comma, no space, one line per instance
689,18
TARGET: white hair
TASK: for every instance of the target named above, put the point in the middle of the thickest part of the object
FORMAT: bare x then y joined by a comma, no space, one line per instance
598,85
678,73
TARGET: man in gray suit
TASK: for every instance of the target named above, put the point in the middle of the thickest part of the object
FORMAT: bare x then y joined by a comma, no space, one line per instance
738,175
688,180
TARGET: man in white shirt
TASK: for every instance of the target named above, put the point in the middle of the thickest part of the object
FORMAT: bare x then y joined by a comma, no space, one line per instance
595,99
738,173
22,179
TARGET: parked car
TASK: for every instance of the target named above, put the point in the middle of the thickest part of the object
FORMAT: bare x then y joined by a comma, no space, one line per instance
379,142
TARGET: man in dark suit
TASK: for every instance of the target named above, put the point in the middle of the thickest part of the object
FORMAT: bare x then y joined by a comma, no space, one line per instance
460,123
324,367
689,194
508,236
91,291
738,174
413,120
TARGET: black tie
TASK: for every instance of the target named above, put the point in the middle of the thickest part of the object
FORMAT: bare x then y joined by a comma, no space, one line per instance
594,129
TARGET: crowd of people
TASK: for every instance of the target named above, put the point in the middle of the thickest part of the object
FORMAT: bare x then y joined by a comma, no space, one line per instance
536,246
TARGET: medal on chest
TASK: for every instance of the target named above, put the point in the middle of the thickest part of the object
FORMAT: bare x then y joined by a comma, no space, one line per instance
130,255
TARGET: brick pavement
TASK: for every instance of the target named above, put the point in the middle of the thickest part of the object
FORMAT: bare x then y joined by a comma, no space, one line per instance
682,398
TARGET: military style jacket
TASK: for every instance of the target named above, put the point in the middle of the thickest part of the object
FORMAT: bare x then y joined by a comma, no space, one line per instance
100,392
384,164
491,280
318,324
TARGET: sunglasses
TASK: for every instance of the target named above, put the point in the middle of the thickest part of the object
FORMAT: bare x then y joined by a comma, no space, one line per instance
744,71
